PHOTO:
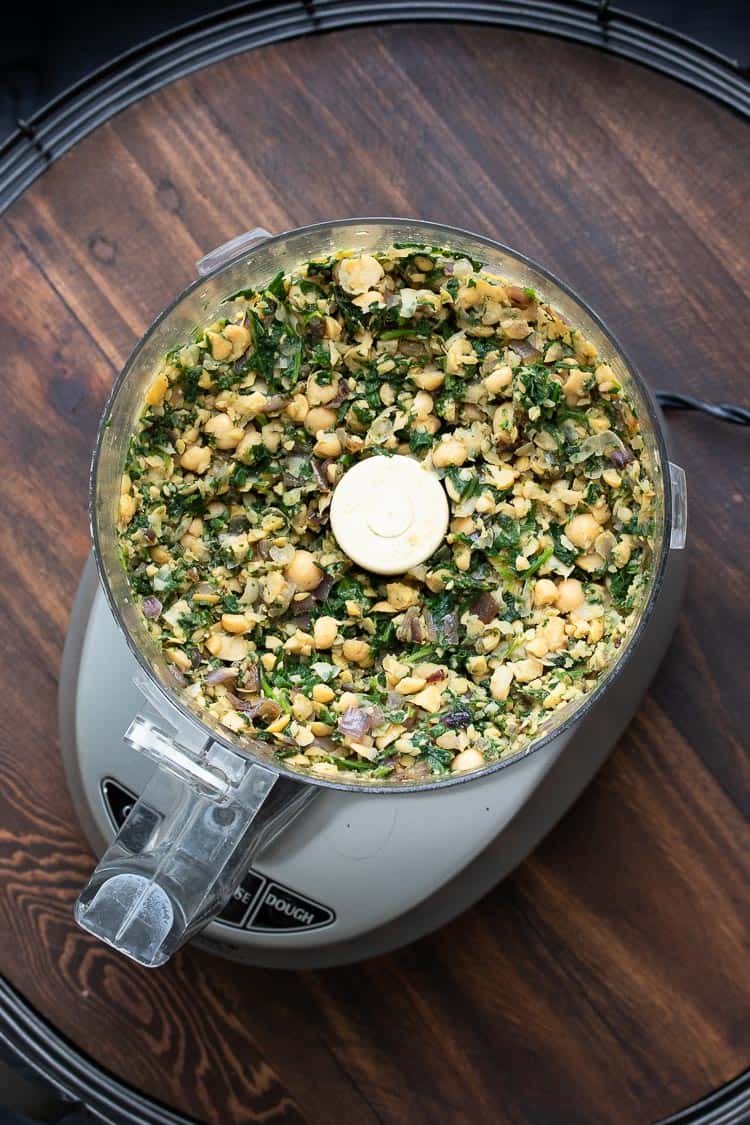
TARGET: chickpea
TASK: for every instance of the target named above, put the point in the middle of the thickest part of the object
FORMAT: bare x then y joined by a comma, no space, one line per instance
158,389
500,682
220,348
179,658
236,623
504,478
324,632
321,693
470,759
302,708
545,592
239,337
574,386
570,595
365,301
303,571
527,670
225,433
298,408
410,685
450,451
460,353
332,328
422,405
127,509
320,418
327,445
621,553
612,478
554,634
503,424
606,380
538,646
357,652
196,459
429,379
245,449
318,394
428,425
271,435
358,275
596,630
498,380
226,647
582,530
400,595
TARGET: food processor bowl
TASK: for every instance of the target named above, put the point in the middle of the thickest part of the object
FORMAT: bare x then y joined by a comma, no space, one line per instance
216,798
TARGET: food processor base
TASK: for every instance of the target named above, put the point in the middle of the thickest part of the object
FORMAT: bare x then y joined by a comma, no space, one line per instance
356,875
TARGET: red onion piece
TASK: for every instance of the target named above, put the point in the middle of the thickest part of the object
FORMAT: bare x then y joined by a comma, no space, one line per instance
251,679
151,607
275,404
449,629
485,608
323,589
356,722
525,349
621,457
266,709
319,469
437,675
221,676
519,296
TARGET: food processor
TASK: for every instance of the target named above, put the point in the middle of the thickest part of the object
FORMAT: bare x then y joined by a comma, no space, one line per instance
201,838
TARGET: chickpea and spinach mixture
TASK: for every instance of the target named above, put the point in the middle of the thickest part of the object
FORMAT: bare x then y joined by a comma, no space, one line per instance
224,515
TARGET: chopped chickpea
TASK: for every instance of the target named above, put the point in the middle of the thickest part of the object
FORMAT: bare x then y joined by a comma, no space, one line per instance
570,595
320,418
327,445
582,530
325,630
357,651
224,432
500,682
196,459
470,759
303,571
450,451
545,592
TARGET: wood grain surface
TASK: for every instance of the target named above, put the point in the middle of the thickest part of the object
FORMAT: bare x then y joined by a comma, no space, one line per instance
608,980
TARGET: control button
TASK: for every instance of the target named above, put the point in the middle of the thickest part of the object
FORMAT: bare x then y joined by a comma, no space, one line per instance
283,909
243,900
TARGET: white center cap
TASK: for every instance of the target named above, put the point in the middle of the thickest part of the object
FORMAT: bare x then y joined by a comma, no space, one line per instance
389,514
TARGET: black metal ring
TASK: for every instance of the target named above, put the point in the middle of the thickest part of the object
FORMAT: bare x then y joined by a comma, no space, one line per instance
30,1040
40,1051
153,64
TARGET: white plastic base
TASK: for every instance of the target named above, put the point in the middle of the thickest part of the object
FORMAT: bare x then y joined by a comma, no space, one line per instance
355,875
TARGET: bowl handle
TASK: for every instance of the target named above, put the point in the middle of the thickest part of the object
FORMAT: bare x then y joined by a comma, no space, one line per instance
678,485
229,250
185,845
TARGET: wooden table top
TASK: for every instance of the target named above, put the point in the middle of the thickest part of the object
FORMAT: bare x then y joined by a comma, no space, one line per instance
608,980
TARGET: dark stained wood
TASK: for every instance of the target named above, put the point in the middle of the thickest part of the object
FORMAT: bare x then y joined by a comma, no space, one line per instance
608,980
